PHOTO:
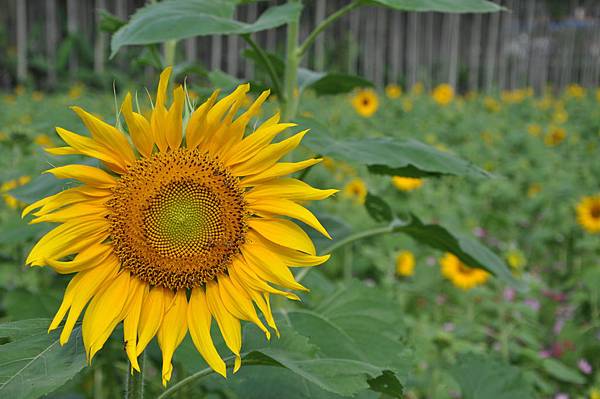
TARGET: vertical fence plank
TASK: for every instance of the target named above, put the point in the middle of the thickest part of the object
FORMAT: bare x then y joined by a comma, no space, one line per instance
412,61
319,46
474,53
100,42
491,51
72,27
21,40
454,30
396,47
51,41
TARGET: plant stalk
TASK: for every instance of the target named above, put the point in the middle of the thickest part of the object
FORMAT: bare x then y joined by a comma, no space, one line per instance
267,61
169,51
135,380
290,78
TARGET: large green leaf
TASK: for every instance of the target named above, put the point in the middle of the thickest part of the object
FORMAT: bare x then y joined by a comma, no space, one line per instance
384,155
561,372
332,83
33,362
482,377
180,19
467,249
324,352
439,5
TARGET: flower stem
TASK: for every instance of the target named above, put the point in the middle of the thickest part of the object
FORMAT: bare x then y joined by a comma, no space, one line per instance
260,52
135,380
324,24
349,239
290,78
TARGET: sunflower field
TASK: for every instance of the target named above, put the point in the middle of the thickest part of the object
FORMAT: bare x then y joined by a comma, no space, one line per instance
299,234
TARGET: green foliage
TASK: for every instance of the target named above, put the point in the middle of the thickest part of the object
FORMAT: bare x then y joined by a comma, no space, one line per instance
33,361
180,19
482,377
439,5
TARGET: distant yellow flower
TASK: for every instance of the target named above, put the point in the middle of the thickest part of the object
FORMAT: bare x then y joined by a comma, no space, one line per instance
43,140
329,164
3,136
365,102
487,137
514,96
534,189
560,115
555,136
417,89
595,393
357,190
443,94
76,90
393,91
575,91
407,105
11,201
406,183
534,129
491,104
515,259
461,275
588,213
405,263
19,90
37,96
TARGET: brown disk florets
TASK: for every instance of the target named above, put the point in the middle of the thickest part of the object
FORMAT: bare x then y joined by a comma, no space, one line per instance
177,218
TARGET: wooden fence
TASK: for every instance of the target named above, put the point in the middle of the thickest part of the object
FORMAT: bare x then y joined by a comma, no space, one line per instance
528,46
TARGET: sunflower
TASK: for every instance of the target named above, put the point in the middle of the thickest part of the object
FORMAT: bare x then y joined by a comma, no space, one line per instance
5,187
443,94
534,129
461,275
393,91
588,213
176,230
406,183
405,263
555,136
357,190
365,102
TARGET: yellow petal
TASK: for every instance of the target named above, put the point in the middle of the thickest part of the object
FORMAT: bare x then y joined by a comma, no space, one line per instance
284,233
68,238
174,119
268,156
290,257
278,170
199,320
87,146
139,128
239,304
229,325
270,267
79,291
172,331
158,120
89,257
73,212
151,315
276,207
137,291
85,174
291,189
109,136
242,274
195,131
102,315
67,197
254,143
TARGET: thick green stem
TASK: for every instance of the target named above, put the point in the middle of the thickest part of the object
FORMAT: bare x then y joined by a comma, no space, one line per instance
135,380
169,50
290,79
345,241
267,61
324,24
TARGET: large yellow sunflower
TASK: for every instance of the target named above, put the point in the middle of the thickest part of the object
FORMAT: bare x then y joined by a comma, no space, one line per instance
461,275
176,230
588,213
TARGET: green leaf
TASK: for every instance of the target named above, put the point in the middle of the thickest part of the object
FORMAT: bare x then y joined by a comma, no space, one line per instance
378,209
458,6
467,249
336,83
33,362
181,19
221,79
561,372
109,22
388,156
306,78
482,377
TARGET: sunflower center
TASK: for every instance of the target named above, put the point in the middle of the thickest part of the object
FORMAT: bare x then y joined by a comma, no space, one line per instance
177,219
465,270
595,211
